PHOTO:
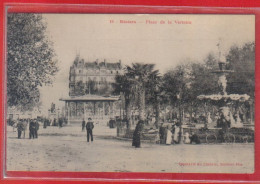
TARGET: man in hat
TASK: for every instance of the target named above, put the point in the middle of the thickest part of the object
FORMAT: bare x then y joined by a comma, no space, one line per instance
89,128
37,125
20,128
32,127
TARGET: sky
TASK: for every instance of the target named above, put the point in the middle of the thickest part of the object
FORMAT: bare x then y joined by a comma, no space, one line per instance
161,39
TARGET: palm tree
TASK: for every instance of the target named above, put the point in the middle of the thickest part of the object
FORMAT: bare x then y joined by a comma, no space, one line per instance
154,94
141,75
124,85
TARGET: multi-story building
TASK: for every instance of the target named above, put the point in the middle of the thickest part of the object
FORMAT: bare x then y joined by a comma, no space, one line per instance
92,77
90,90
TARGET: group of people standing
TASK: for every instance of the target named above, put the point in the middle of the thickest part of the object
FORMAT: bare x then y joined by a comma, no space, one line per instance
169,133
22,127
33,129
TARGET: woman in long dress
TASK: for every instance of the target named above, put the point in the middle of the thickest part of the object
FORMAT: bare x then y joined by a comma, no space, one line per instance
176,134
137,134
168,135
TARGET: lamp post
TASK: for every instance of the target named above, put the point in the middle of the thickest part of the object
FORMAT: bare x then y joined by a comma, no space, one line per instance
180,116
58,110
120,101
157,106
49,113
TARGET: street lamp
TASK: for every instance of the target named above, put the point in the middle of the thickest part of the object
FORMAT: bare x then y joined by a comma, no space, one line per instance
120,102
58,112
180,116
157,118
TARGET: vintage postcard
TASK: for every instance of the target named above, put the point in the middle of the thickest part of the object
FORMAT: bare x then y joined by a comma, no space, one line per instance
146,93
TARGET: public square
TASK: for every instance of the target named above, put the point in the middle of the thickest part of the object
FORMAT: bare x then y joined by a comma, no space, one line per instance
159,85
66,149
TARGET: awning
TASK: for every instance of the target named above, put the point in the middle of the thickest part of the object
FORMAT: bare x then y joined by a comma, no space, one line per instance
90,98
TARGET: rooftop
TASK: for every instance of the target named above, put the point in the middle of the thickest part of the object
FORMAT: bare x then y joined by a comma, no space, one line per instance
79,62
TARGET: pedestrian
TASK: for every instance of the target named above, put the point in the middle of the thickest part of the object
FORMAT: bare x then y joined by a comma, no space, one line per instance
223,124
20,128
176,133
60,122
14,125
194,138
169,135
186,138
45,122
112,123
32,129
125,121
37,125
137,134
54,122
89,128
161,133
83,124
25,122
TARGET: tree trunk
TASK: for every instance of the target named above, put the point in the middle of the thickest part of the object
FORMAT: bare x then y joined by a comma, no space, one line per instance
191,112
142,103
128,109
180,114
157,113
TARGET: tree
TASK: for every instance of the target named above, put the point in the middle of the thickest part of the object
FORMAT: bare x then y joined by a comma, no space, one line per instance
154,93
123,84
137,81
242,62
242,81
186,82
204,82
176,84
30,59
141,75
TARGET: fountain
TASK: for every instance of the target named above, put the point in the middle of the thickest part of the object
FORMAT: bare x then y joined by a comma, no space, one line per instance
222,97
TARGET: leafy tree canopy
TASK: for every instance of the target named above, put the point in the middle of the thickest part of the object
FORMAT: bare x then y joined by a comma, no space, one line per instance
242,61
30,59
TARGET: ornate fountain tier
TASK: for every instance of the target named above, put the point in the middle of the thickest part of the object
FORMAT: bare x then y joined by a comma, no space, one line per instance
223,71
225,97
222,81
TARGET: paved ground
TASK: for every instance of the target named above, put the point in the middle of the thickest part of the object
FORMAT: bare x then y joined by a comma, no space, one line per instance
66,149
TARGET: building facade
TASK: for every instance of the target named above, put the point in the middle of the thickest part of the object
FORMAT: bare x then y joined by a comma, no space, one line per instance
94,77
90,90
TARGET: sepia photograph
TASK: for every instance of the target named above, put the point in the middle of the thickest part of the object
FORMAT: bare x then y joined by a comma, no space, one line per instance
149,93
